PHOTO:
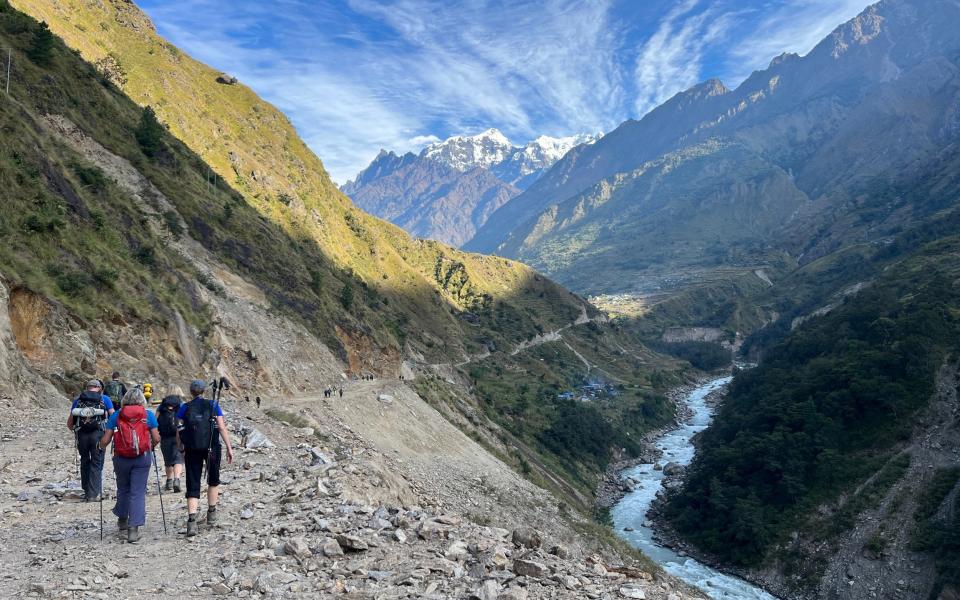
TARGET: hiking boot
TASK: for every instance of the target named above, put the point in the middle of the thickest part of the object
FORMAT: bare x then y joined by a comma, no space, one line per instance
133,535
176,485
168,486
122,523
192,529
211,516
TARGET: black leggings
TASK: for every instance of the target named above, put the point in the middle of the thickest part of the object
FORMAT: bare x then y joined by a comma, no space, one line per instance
193,465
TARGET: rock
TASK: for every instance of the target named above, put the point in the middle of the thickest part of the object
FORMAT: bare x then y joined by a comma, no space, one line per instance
560,551
304,432
332,549
457,551
220,589
253,438
527,537
379,575
628,529
400,536
529,568
318,457
246,513
657,467
488,590
297,547
351,543
39,588
225,79
386,398
672,469
633,592
514,593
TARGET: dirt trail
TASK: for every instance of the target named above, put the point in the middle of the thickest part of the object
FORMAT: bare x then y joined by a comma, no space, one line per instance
326,513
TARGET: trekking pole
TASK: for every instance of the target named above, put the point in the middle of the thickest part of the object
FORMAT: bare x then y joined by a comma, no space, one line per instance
101,511
156,469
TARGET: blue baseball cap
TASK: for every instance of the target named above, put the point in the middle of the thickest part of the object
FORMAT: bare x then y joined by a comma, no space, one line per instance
197,385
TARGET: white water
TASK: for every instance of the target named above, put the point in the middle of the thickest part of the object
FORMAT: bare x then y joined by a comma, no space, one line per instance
632,510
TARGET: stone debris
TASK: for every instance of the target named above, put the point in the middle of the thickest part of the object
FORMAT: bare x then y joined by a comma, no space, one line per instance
296,520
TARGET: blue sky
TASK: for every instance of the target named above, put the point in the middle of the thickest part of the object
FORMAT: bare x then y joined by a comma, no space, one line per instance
355,76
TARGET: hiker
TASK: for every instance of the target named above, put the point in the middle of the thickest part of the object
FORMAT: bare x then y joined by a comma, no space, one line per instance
200,443
166,415
258,401
246,398
88,413
134,433
341,392
115,388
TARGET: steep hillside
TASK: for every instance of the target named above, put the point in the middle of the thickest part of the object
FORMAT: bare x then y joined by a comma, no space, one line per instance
449,190
870,106
818,454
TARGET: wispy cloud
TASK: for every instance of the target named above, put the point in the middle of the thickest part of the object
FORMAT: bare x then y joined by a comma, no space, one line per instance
359,75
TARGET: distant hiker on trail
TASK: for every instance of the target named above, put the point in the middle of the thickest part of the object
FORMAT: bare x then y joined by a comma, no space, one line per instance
258,401
200,427
115,388
341,392
166,415
88,413
134,434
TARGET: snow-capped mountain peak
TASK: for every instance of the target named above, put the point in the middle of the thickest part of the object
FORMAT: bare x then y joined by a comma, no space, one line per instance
464,152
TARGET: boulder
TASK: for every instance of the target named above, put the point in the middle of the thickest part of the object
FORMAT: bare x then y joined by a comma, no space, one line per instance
296,547
633,592
254,438
488,590
386,398
332,549
225,79
672,469
351,543
527,537
457,551
529,568
560,551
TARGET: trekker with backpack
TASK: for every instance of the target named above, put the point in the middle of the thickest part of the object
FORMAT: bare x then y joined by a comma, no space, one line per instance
88,413
115,388
199,431
166,415
134,433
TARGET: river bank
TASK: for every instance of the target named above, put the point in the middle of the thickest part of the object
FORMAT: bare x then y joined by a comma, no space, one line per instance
646,485
612,486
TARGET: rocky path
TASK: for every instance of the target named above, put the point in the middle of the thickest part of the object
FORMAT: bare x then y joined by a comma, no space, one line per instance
322,513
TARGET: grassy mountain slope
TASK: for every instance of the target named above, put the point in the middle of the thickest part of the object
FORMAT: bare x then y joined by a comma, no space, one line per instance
121,255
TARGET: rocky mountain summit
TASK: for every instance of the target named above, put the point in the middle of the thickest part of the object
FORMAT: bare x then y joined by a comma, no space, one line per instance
450,188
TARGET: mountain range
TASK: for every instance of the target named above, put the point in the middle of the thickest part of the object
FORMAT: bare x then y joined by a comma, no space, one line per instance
450,188
781,165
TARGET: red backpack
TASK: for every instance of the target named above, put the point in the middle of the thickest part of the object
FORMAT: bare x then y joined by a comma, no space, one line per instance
132,438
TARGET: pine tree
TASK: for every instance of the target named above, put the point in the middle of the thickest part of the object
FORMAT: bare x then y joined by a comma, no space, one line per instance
346,295
41,46
149,133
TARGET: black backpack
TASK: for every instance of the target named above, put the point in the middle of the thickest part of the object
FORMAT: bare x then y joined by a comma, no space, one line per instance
167,416
197,431
91,401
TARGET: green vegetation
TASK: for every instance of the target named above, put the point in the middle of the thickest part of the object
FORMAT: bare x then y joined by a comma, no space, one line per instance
149,133
706,356
938,536
41,45
823,412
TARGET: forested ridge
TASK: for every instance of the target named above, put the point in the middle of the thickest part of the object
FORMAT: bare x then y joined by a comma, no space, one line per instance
828,407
